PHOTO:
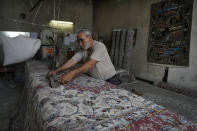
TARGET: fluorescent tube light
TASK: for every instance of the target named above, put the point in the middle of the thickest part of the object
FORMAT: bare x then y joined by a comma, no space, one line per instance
61,24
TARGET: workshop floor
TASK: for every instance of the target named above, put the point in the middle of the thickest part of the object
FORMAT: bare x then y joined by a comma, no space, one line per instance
11,96
179,103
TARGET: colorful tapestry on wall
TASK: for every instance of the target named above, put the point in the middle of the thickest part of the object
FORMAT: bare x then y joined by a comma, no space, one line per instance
170,28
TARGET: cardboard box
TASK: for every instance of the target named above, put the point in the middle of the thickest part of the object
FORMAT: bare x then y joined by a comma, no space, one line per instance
47,52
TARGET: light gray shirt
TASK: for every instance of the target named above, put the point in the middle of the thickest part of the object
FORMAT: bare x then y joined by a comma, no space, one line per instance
104,68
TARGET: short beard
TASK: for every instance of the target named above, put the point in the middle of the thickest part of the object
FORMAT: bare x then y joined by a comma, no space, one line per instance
85,47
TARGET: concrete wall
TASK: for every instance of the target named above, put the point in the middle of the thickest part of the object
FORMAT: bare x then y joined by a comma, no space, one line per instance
124,14
78,11
188,76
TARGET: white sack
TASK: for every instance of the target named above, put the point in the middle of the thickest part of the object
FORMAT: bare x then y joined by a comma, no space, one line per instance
19,49
1,53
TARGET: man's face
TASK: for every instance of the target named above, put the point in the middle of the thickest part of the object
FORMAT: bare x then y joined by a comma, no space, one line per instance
83,40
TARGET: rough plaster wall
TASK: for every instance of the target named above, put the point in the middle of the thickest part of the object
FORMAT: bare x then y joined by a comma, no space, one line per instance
78,11
112,14
187,77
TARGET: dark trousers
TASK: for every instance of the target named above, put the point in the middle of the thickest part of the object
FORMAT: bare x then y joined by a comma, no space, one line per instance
114,80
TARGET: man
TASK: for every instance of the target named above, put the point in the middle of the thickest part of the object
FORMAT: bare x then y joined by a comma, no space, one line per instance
95,58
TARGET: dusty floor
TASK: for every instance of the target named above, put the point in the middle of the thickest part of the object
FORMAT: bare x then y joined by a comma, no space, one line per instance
11,97
184,105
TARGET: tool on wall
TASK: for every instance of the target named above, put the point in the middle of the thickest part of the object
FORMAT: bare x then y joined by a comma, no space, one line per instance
36,4
165,77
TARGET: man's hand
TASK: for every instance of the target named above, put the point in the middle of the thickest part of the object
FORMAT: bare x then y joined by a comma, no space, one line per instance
84,68
67,77
65,66
52,73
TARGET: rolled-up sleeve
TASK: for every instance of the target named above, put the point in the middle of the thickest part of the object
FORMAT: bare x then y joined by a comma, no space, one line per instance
99,53
77,57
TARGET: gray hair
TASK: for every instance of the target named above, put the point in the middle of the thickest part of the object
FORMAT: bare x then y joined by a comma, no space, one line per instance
84,30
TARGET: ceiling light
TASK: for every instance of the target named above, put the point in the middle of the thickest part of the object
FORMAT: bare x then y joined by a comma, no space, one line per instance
61,24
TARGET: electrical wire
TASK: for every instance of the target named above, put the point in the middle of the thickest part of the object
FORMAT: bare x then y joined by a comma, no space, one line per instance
54,9
18,28
31,3
24,22
59,9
